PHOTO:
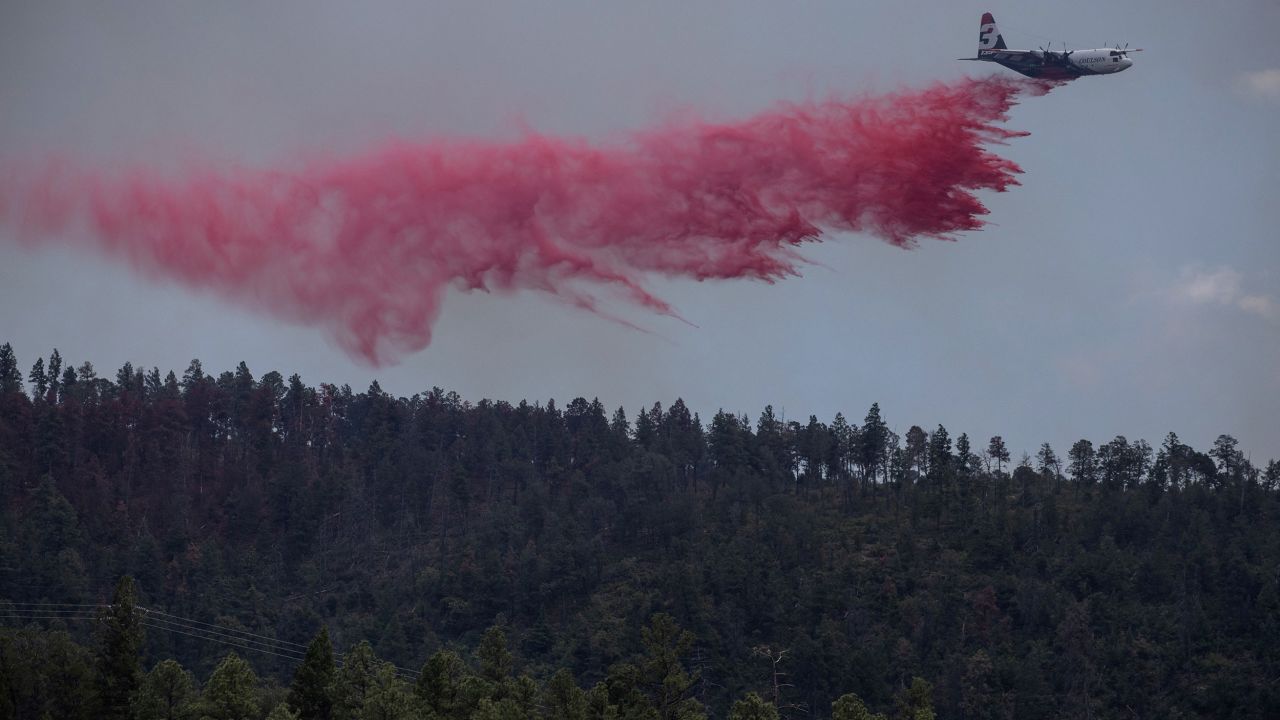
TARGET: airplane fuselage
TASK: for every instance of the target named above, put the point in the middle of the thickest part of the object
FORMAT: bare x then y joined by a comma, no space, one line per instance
1047,63
1059,65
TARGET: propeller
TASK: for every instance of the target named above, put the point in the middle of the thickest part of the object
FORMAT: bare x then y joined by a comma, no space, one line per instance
1052,56
1049,53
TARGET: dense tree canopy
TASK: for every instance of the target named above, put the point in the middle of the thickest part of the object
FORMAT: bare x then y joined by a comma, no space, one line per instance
648,556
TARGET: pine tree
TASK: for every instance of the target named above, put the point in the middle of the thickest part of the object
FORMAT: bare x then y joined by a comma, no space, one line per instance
753,707
311,694
851,707
669,685
119,663
523,691
916,701
356,681
1229,459
978,690
505,709
998,452
10,376
39,381
562,699
964,454
54,375
495,659
44,674
439,687
69,379
167,693
1271,477
52,533
940,459
646,428
231,693
875,436
283,712
917,451
1083,466
1047,462
389,697
599,703
620,429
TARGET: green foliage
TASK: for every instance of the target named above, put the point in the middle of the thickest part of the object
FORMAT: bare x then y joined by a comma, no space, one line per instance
753,707
231,692
524,692
356,680
625,696
663,670
284,712
389,697
1117,576
10,375
439,687
562,699
167,693
504,709
119,659
851,707
979,692
367,688
45,675
915,702
52,536
311,694
39,380
495,659
599,704
998,452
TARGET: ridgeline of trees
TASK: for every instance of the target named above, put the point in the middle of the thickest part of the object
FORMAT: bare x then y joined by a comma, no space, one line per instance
810,563
47,674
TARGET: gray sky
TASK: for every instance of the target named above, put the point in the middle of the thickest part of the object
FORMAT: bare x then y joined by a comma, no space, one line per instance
1130,286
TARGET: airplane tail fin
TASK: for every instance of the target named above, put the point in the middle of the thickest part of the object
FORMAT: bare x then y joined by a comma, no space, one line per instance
989,37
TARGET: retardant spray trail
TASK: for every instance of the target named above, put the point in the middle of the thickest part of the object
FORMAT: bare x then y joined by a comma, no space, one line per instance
365,247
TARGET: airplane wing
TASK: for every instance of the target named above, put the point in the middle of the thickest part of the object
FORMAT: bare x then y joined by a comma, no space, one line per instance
1014,55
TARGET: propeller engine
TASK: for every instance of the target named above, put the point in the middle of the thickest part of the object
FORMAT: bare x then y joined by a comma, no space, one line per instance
1124,51
1050,55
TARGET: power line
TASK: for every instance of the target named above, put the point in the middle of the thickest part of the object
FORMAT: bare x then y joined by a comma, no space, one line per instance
49,604
247,644
48,616
49,611
162,624
89,610
158,620
223,642
149,611
190,624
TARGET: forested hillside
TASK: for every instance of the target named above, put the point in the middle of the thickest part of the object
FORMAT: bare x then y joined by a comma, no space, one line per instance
807,559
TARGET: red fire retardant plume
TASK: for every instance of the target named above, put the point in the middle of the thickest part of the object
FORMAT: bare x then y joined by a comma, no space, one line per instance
366,246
